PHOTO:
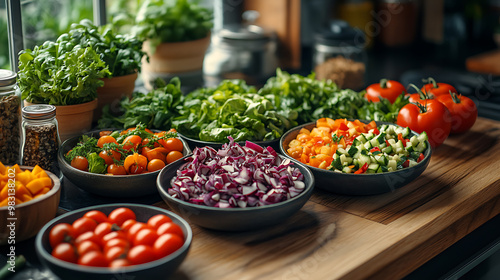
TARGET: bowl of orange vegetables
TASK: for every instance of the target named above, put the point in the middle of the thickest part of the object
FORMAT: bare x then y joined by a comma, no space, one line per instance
29,198
357,157
120,163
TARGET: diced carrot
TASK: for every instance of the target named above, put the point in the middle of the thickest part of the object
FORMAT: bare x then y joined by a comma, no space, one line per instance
38,184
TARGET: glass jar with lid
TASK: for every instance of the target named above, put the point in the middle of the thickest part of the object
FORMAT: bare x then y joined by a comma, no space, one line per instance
10,118
40,136
339,55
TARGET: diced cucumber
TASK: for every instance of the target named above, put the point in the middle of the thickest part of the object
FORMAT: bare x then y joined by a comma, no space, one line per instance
337,164
391,141
373,166
381,159
361,138
346,169
414,141
343,160
352,150
368,145
387,150
341,151
421,147
381,138
374,142
392,165
422,137
405,132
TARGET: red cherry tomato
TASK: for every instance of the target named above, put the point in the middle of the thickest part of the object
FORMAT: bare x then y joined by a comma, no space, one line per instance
157,220
141,254
134,229
65,252
80,162
105,139
167,244
102,229
97,216
462,109
145,236
93,258
113,235
127,224
116,242
436,89
114,253
83,225
120,215
431,117
119,263
387,89
87,246
87,236
131,142
61,233
116,169
170,228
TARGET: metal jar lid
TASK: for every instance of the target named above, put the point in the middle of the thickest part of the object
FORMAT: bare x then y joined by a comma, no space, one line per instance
244,36
39,112
340,33
7,77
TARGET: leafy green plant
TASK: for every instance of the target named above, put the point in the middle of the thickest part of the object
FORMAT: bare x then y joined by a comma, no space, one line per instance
59,74
172,21
122,53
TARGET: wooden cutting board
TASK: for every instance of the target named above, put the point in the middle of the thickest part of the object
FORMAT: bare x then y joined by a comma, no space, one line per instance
384,237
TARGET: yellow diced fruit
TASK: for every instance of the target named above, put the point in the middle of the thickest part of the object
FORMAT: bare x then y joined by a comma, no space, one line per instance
43,191
24,177
21,190
326,150
4,202
26,198
304,131
18,201
42,174
4,192
37,169
36,185
17,168
3,169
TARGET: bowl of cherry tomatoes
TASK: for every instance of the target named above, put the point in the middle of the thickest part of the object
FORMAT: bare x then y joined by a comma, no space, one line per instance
119,163
114,240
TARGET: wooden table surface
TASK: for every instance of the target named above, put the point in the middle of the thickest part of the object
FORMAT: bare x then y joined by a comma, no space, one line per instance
384,236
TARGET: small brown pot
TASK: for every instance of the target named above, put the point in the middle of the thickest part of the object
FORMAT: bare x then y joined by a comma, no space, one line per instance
73,120
112,92
173,58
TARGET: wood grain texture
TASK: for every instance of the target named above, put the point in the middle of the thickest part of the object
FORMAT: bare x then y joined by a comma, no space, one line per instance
385,236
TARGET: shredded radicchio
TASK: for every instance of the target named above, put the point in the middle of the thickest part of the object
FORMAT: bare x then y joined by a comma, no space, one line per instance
236,176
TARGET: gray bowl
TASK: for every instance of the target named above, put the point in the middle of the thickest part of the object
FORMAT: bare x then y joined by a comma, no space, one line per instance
359,184
105,185
65,270
193,143
233,219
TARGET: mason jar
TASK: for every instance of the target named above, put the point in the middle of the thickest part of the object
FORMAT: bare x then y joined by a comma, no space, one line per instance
10,118
40,136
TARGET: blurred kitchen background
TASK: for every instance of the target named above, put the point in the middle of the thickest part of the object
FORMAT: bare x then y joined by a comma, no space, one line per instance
353,42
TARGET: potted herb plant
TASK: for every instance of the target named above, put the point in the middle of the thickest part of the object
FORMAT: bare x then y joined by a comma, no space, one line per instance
176,36
65,75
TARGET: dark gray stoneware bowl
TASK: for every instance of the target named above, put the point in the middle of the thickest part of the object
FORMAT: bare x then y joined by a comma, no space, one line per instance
105,185
152,270
359,184
233,219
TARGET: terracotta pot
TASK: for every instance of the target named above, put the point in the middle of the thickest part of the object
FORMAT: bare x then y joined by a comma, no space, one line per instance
73,120
170,59
112,92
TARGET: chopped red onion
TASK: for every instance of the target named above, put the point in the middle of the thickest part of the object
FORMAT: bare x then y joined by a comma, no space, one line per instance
236,177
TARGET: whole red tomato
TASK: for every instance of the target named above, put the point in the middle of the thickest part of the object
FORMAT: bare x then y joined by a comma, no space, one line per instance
436,89
462,109
387,89
431,116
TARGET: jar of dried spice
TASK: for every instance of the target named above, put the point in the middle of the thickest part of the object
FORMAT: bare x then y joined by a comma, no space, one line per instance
40,136
10,118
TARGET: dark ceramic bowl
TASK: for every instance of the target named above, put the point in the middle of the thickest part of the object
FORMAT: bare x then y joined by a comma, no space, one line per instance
233,219
152,270
193,143
359,184
106,185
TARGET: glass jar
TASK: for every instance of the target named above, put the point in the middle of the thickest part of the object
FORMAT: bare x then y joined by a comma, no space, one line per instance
400,28
339,55
10,118
40,136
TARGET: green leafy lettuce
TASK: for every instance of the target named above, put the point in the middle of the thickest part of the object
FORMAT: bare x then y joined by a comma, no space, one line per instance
231,109
172,21
155,109
58,73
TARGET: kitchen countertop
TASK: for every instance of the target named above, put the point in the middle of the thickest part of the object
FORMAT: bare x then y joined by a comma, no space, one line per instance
386,236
